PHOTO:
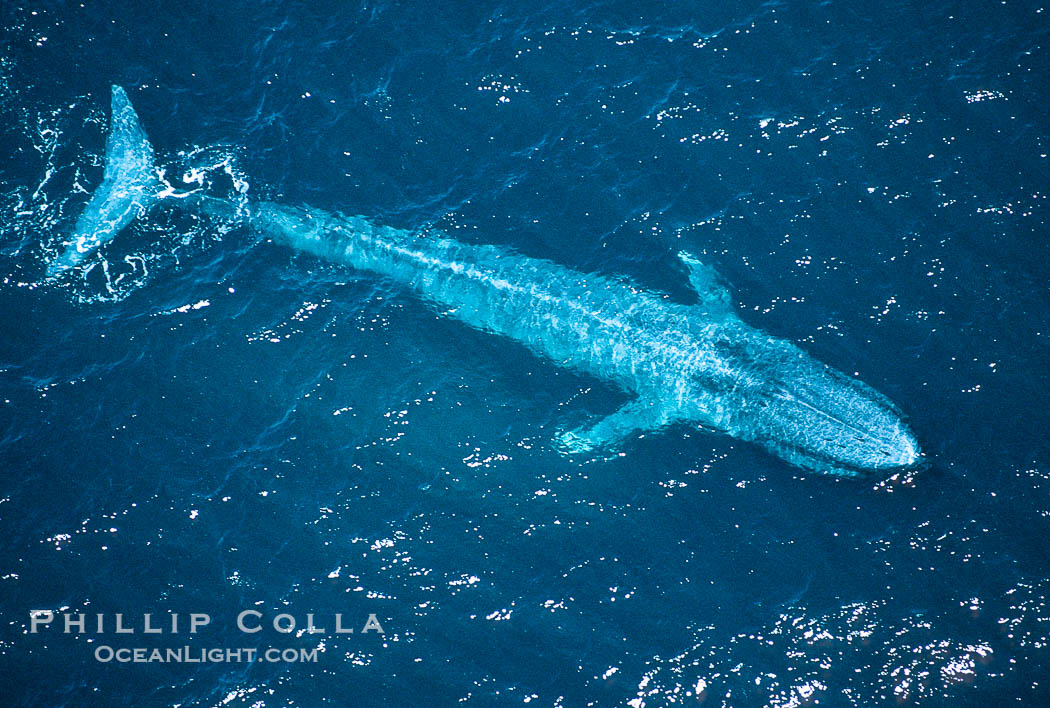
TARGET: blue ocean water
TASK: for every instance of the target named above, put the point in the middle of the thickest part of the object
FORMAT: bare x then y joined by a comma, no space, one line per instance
206,422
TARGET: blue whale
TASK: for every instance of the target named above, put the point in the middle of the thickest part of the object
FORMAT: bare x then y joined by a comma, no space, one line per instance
696,364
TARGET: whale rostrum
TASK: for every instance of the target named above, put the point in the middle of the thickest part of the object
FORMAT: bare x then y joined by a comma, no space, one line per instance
696,364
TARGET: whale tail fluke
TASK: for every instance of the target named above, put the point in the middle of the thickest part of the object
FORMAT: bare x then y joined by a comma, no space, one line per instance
130,185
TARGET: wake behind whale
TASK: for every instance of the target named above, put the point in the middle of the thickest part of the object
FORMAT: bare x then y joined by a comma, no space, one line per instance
698,364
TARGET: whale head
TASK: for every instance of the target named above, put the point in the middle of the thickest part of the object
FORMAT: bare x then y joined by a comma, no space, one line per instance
827,422
771,392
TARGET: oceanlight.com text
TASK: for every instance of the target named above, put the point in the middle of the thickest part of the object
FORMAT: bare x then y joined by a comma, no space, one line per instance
189,655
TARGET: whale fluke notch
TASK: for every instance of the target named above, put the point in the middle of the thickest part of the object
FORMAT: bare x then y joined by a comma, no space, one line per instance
637,416
129,186
708,284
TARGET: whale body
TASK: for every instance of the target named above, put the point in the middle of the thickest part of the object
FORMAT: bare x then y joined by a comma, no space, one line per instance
698,364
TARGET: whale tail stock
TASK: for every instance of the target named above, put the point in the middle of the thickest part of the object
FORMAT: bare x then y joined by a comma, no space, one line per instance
130,185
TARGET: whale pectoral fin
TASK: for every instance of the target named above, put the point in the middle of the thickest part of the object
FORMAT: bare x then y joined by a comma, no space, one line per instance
639,415
708,284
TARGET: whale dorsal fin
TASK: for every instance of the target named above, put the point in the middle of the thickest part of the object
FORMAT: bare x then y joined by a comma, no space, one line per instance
708,284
